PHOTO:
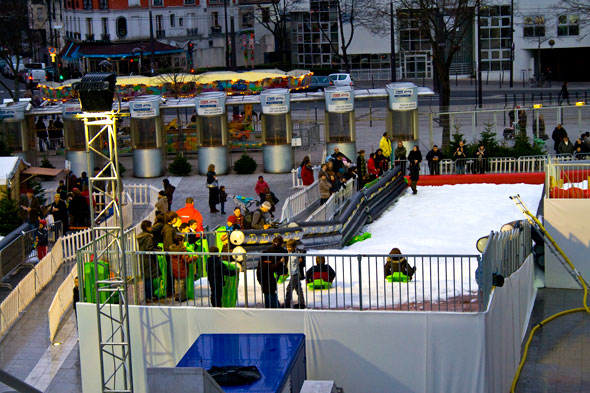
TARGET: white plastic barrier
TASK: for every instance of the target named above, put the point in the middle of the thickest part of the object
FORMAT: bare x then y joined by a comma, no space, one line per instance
61,302
484,347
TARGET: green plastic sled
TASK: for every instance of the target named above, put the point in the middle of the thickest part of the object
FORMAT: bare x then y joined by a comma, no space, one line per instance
89,281
160,284
319,284
359,238
282,278
229,298
397,277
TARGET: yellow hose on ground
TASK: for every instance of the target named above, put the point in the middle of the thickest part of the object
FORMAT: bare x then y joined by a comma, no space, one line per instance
554,316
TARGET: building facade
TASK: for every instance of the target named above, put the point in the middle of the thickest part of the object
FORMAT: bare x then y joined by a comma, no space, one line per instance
545,40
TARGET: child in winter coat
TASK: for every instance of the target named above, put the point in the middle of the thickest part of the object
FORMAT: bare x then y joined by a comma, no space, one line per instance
222,198
295,279
179,265
42,239
216,271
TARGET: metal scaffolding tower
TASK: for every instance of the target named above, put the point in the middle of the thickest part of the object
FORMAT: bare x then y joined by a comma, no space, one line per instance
108,246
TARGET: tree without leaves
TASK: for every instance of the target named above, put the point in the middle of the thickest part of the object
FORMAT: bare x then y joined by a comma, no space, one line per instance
274,16
580,7
443,23
346,12
15,34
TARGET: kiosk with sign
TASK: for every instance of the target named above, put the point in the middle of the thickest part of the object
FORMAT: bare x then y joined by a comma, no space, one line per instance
277,131
75,139
212,129
340,130
402,113
147,138
17,131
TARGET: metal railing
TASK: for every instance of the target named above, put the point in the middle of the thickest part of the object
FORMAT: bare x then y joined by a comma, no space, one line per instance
359,282
568,180
301,200
335,203
297,182
524,164
505,252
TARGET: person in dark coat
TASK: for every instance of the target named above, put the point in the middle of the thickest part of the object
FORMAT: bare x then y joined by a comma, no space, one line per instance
168,230
41,130
79,209
434,158
270,197
213,187
59,210
460,156
169,191
558,134
415,155
564,94
566,147
216,271
265,273
399,154
320,271
380,161
30,208
145,242
361,169
480,160
414,175
398,265
157,228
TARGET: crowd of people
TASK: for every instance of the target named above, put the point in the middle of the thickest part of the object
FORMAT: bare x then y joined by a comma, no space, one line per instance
50,135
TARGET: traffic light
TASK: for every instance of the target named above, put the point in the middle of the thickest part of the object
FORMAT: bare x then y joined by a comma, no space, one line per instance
61,77
191,47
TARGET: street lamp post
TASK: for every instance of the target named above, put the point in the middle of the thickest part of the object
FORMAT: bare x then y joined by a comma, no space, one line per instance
392,34
226,35
152,61
511,43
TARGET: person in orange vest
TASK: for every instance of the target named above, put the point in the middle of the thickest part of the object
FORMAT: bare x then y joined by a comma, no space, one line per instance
188,212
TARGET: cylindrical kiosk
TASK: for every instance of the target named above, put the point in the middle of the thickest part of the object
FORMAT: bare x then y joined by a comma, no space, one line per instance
147,140
340,130
17,132
212,129
402,114
277,131
75,139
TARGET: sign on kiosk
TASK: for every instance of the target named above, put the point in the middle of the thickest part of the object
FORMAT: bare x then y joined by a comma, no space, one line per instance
402,96
275,101
339,100
211,104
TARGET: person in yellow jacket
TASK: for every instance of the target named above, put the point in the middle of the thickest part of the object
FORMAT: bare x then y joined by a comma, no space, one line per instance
385,145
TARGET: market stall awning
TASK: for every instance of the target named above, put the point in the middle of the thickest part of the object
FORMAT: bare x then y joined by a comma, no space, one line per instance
75,51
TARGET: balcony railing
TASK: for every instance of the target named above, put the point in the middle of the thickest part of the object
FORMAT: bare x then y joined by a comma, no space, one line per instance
89,37
160,33
215,29
192,31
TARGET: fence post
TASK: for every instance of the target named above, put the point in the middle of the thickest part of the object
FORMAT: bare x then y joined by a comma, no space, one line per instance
359,260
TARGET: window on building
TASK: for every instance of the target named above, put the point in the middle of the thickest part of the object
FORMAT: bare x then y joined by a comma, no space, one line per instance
105,26
89,26
121,27
215,19
568,25
180,22
189,2
87,4
157,2
534,26
172,20
495,38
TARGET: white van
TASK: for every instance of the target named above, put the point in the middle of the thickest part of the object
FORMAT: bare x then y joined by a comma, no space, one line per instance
34,77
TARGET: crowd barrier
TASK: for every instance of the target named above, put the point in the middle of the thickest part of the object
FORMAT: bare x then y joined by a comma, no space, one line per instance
300,201
343,282
334,204
297,182
76,243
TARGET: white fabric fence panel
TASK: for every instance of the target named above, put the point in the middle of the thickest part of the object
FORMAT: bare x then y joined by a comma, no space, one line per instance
506,324
416,360
61,302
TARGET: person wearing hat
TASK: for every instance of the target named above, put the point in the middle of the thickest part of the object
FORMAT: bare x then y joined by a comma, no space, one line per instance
231,223
42,239
258,217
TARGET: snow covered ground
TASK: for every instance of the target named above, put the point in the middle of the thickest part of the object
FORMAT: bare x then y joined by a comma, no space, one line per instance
443,221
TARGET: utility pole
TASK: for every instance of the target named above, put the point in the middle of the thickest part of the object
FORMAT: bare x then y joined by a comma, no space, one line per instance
227,65
479,85
392,34
152,50
511,43
233,46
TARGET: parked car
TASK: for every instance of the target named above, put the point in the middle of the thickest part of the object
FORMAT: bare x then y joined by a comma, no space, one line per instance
319,83
34,77
342,79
